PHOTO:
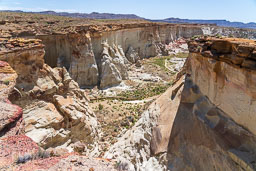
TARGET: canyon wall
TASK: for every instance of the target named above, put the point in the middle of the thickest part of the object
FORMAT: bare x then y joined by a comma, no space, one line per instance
229,32
214,128
82,52
98,56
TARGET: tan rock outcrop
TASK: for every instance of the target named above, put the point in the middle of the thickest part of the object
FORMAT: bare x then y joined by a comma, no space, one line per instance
56,111
228,84
213,128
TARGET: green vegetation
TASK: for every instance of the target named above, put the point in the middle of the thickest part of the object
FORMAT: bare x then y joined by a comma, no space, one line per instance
149,91
101,107
218,36
182,55
160,61
7,82
195,37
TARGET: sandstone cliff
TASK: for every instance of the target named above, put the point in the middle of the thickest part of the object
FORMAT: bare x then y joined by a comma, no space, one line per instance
83,53
214,128
100,55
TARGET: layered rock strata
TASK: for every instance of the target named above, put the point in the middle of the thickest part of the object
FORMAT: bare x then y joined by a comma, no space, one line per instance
100,55
83,55
214,127
55,110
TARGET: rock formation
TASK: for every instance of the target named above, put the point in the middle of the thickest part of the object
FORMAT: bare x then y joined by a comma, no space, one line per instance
11,122
113,66
55,109
214,127
100,55
55,113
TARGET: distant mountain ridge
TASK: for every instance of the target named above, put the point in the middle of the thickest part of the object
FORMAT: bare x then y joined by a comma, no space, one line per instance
93,15
223,23
96,15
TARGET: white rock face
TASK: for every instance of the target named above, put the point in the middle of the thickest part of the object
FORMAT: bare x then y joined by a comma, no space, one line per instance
133,148
132,55
231,89
113,66
67,118
89,63
83,67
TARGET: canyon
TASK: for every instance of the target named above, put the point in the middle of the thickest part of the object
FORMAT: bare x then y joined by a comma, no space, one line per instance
125,95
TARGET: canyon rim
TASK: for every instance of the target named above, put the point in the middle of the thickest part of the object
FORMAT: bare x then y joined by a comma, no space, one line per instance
120,92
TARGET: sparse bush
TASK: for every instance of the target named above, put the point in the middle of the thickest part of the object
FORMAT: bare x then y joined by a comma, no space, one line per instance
24,159
7,82
40,154
101,107
195,37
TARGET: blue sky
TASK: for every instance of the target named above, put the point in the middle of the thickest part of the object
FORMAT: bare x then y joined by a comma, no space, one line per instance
233,10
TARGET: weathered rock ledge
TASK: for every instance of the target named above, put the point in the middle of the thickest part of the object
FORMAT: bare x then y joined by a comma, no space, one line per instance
214,128
228,68
238,52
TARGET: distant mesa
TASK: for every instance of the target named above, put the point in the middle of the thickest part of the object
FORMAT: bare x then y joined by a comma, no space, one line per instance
223,23
93,15
96,15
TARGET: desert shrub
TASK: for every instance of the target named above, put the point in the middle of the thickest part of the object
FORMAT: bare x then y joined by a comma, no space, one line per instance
101,107
40,154
6,82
